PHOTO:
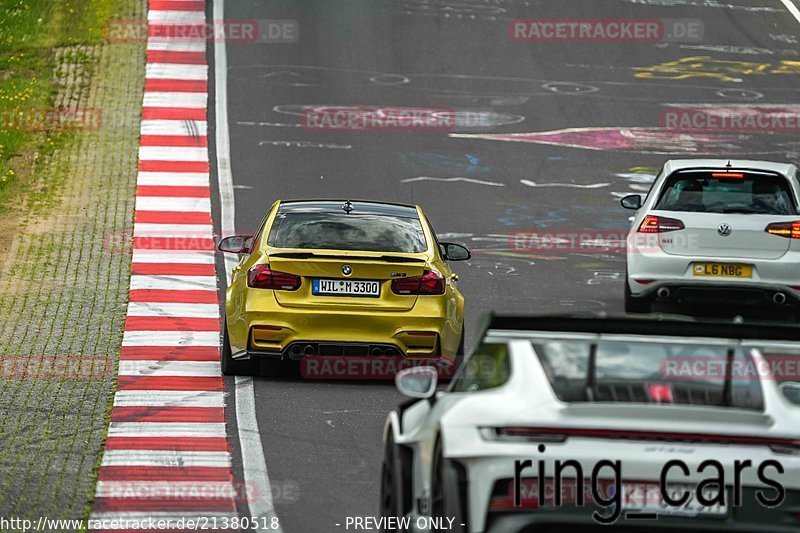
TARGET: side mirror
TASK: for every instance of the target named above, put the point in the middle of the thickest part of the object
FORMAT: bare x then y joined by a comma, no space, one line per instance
418,381
632,201
236,244
791,390
455,252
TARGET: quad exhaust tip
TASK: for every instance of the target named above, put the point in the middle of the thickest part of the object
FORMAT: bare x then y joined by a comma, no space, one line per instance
779,298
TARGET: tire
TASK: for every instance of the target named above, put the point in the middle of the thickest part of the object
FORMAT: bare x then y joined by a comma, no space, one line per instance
231,366
448,486
634,304
392,492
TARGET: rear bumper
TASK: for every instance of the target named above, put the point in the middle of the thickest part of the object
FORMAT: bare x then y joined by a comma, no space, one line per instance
654,270
269,330
530,522
750,295
490,469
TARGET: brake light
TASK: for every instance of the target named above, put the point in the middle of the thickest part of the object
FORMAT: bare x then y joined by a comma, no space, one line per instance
790,230
660,393
728,175
654,224
261,277
431,282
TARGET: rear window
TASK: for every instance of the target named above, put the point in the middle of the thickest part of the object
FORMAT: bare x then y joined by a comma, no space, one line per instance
340,231
763,194
650,373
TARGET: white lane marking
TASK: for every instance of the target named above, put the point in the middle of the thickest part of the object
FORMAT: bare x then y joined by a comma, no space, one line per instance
190,179
792,9
173,256
156,398
175,100
173,310
173,153
170,338
169,368
530,183
165,489
203,231
451,180
174,283
189,128
175,17
254,464
166,429
157,458
174,71
173,203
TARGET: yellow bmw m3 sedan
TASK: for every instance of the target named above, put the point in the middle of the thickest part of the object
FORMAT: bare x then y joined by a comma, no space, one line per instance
341,278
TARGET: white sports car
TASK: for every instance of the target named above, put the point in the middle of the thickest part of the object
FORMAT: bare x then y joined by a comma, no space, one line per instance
716,231
559,423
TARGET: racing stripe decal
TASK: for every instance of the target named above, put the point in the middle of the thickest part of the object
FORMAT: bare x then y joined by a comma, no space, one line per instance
167,455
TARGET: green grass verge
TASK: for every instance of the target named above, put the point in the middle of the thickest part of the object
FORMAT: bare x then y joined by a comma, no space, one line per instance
30,128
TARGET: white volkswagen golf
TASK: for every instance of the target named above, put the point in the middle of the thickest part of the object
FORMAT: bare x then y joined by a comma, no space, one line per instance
716,232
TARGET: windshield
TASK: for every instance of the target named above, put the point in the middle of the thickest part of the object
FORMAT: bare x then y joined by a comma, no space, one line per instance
335,231
752,193
651,373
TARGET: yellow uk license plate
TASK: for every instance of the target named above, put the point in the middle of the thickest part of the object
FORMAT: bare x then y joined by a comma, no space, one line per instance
722,270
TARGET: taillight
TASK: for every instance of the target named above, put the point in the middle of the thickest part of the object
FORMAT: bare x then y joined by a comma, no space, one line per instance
431,282
261,277
790,230
654,224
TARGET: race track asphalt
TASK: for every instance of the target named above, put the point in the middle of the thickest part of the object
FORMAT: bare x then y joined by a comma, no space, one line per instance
324,437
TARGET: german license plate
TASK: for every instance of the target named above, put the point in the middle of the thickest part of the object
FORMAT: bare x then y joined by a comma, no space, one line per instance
647,498
722,270
345,287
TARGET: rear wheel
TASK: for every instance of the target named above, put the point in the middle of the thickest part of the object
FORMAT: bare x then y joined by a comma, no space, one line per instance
447,498
391,485
231,366
634,304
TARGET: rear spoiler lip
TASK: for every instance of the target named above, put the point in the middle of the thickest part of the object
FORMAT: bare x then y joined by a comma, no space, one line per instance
654,325
729,169
311,255
647,435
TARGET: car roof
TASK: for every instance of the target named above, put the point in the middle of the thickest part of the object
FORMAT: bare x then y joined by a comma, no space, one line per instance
656,325
359,207
674,165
